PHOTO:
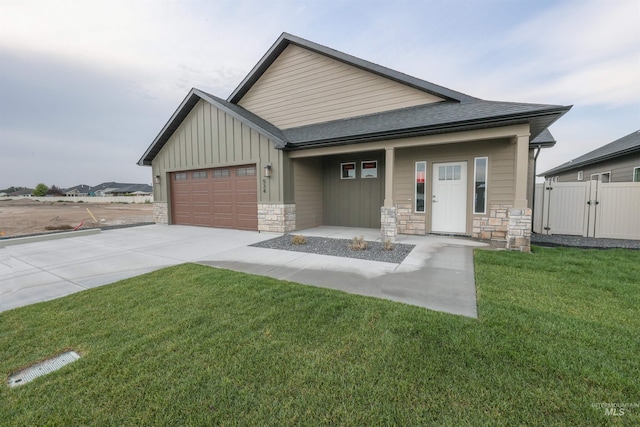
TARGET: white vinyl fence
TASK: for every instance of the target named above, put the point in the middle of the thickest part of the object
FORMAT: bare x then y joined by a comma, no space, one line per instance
588,208
96,199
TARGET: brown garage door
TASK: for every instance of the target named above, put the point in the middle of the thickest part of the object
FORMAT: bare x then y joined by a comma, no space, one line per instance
221,197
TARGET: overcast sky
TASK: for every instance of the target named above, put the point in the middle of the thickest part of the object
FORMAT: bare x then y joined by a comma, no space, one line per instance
85,86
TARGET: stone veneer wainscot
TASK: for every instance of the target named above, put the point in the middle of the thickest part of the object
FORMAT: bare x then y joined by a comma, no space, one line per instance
276,218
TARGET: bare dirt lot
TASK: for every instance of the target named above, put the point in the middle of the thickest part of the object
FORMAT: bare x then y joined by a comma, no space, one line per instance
21,217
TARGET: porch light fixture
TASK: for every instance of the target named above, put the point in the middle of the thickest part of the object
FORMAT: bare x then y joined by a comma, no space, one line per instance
267,171
156,179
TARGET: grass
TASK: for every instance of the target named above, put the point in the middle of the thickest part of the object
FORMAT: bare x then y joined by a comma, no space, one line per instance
192,345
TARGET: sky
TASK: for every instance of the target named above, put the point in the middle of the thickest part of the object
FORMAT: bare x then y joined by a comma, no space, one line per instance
85,86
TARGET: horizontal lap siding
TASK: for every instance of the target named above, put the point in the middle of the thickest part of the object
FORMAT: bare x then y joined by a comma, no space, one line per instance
501,156
210,138
621,169
303,87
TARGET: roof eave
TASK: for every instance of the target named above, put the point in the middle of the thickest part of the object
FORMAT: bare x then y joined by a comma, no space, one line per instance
576,165
436,129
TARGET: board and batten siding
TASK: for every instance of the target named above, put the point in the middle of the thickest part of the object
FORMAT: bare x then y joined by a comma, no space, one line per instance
501,154
303,87
308,192
211,138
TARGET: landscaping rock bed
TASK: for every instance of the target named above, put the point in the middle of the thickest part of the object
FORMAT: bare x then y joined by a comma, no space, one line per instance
340,248
582,242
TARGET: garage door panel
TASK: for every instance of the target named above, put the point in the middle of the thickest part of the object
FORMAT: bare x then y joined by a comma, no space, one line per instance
222,197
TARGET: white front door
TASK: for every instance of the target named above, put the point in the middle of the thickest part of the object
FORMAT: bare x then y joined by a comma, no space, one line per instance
449,198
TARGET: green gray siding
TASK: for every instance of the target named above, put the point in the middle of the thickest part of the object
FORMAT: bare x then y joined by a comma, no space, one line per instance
210,138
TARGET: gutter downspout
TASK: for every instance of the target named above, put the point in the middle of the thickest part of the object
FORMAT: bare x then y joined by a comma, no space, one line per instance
533,196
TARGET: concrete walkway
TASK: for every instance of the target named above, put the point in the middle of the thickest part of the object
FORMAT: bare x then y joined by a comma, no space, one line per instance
437,274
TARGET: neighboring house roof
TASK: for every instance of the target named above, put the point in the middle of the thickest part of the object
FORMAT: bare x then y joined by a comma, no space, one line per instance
25,192
285,39
458,112
620,147
110,187
82,188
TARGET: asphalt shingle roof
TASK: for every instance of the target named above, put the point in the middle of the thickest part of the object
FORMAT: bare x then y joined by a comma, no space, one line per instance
438,117
625,145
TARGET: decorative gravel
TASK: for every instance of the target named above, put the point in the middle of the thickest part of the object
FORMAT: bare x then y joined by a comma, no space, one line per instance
583,242
340,248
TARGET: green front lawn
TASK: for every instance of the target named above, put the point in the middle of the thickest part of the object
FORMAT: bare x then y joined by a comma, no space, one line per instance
558,335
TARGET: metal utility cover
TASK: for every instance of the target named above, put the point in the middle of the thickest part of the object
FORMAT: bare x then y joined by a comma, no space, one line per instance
42,368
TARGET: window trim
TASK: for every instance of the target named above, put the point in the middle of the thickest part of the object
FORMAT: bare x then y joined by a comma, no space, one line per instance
415,188
362,169
355,170
633,177
580,175
486,184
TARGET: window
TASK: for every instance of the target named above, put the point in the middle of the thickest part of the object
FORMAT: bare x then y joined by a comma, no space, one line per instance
250,171
580,175
180,176
421,173
480,185
199,175
449,173
605,177
369,169
636,174
348,170
221,173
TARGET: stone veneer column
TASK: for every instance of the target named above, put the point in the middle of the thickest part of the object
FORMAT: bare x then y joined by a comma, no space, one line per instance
161,212
519,232
388,223
276,218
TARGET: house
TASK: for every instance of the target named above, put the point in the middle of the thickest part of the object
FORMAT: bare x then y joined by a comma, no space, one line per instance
313,136
618,161
119,189
77,191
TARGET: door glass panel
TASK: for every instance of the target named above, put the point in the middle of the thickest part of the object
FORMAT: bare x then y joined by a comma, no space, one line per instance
442,173
456,173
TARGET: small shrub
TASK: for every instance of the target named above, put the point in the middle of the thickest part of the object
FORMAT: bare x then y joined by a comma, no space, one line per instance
388,245
298,239
358,244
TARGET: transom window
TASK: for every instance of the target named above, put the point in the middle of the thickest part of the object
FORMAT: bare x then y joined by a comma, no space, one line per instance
249,171
221,173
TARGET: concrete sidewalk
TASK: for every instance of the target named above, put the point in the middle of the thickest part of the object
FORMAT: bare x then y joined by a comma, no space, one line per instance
437,274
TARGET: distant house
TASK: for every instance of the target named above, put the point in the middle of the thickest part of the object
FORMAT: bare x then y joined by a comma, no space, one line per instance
27,192
77,191
120,189
618,161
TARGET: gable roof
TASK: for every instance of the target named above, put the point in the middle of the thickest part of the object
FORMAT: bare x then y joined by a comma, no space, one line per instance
457,112
260,125
286,39
620,147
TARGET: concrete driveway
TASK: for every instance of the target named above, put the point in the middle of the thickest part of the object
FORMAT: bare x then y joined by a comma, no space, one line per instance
437,274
